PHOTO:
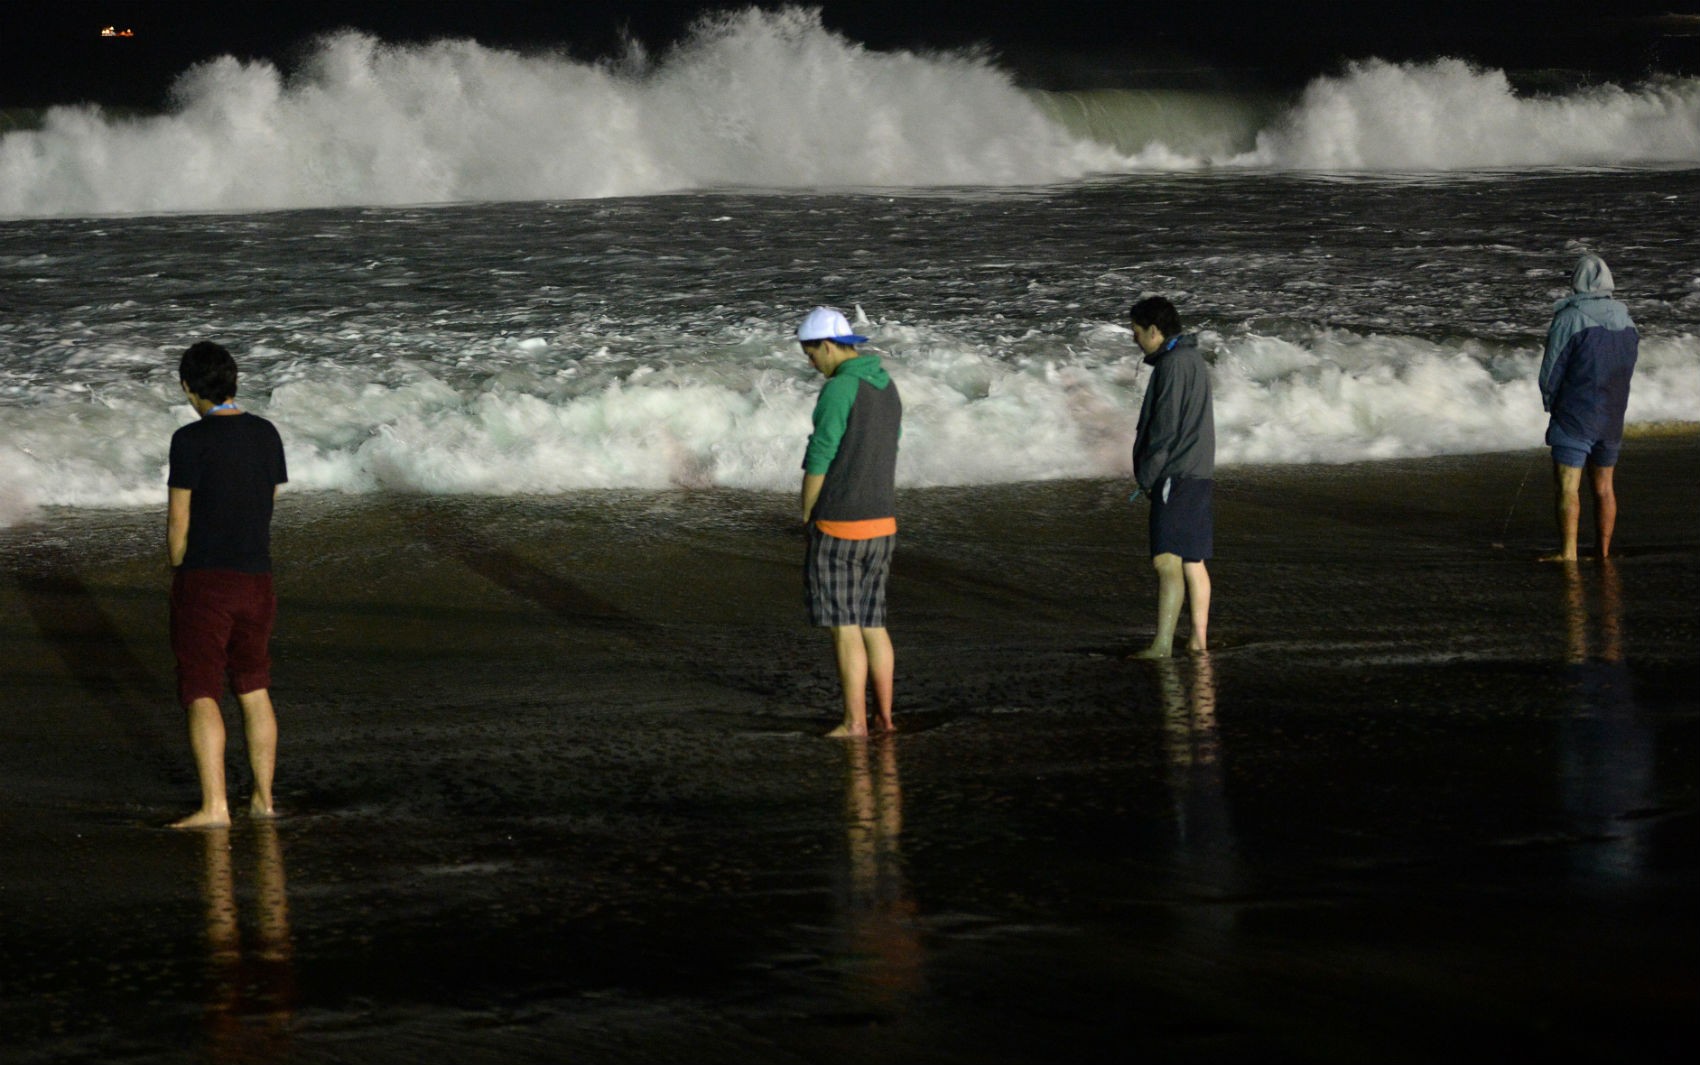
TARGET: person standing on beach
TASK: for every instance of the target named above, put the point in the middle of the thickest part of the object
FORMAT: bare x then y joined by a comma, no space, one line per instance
1174,463
1590,355
224,475
849,508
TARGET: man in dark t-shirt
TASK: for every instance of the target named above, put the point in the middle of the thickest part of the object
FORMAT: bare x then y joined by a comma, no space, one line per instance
225,471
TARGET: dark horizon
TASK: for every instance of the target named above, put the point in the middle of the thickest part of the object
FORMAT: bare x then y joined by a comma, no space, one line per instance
57,56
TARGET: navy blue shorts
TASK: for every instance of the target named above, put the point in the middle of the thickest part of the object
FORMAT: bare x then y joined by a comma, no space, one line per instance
1182,518
1577,452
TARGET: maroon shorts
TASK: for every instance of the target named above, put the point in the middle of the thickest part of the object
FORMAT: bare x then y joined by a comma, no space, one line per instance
221,626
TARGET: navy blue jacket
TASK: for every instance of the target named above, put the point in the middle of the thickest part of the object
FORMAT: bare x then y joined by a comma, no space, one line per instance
1590,355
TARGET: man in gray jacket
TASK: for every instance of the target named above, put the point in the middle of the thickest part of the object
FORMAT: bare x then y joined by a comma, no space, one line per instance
1174,463
1591,350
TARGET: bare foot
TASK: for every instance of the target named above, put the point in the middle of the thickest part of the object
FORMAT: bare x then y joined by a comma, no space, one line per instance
1149,653
204,819
1197,649
845,732
1558,556
258,807
883,724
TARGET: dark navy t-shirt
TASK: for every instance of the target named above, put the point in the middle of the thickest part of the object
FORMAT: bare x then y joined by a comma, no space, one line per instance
231,464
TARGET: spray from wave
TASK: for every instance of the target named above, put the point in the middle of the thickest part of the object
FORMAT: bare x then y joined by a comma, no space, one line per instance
766,99
770,99
1380,117
1448,115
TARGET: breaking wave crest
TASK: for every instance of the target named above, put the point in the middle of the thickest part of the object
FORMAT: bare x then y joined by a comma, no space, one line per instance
1394,117
770,99
1448,115
1030,408
752,99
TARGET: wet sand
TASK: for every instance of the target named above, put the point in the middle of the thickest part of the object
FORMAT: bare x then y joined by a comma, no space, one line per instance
554,787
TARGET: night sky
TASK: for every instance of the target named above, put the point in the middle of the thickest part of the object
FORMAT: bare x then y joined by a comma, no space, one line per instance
51,51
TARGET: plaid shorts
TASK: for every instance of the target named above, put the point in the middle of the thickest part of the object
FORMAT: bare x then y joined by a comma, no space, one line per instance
844,580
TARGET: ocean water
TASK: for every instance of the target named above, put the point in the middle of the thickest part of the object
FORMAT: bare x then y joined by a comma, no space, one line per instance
449,269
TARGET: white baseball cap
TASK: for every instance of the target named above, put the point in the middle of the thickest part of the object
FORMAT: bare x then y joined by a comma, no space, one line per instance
824,323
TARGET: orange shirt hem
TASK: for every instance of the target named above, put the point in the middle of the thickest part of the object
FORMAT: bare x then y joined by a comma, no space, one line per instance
866,529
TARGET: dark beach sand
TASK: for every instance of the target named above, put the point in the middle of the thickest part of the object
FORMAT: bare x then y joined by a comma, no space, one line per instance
555,789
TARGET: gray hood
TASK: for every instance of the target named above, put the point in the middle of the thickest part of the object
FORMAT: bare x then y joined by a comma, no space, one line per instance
1592,296
1592,277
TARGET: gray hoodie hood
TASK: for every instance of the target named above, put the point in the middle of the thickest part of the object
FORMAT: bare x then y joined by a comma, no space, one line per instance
1591,298
1592,277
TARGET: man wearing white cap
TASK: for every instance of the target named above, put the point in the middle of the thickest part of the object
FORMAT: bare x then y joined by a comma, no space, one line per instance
849,507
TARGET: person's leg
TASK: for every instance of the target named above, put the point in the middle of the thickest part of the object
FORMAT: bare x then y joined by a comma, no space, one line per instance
250,675
200,628
882,666
259,724
852,655
1171,588
1605,506
1567,508
206,739
1198,600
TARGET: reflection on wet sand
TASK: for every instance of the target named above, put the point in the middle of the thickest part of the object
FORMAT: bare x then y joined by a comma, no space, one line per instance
250,992
877,914
1206,857
1606,749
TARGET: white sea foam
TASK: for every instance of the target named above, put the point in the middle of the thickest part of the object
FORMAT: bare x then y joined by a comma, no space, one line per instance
976,411
1377,116
770,99
1447,115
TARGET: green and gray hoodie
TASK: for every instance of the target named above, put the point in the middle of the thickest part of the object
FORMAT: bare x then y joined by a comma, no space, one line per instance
858,418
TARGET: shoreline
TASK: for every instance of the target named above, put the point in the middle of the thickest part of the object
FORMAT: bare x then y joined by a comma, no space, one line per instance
39,516
552,780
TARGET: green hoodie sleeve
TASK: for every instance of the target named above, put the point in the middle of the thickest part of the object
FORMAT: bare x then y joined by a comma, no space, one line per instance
832,414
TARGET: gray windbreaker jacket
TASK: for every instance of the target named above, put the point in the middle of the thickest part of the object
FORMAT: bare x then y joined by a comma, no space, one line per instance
1177,419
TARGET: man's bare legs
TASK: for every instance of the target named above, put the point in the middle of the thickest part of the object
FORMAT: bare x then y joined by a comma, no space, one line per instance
1198,605
1171,589
1567,489
259,723
1605,506
863,653
1567,508
206,739
1177,581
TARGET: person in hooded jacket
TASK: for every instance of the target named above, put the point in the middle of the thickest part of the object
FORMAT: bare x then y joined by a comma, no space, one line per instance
1174,465
1590,356
849,508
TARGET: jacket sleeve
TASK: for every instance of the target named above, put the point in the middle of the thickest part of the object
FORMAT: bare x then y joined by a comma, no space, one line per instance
832,415
1565,325
1158,439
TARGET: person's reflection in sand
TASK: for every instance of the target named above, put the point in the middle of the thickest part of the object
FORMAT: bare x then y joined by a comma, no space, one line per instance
1605,747
883,947
250,990
1206,859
